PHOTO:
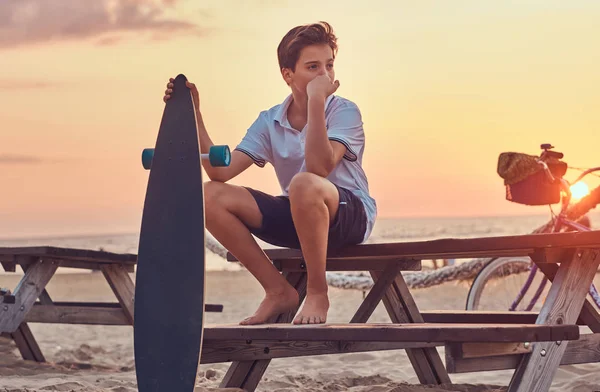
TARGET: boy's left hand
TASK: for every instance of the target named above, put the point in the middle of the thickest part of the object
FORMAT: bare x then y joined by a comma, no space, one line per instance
321,86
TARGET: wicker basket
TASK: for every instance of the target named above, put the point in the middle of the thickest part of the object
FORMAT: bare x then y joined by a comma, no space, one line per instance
525,180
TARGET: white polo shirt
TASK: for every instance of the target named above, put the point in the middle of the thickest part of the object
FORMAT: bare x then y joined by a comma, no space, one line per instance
272,139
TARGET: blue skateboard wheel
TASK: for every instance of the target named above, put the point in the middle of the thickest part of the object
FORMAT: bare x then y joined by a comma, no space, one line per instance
219,156
147,155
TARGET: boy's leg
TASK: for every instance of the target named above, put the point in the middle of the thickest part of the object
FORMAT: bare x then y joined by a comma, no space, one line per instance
314,203
229,211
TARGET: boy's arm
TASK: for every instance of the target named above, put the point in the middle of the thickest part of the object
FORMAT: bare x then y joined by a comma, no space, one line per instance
239,161
321,154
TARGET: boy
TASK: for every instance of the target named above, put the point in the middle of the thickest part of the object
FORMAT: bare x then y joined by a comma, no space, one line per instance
315,142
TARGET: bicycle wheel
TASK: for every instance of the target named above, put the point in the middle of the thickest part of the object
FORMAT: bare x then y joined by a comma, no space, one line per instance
498,284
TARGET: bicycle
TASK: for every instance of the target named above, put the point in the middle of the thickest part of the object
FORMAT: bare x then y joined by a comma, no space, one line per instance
520,273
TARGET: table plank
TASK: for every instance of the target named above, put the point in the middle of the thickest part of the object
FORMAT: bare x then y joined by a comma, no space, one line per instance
390,332
520,245
69,254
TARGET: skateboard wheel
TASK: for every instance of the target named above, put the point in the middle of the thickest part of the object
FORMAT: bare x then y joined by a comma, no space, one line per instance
147,156
219,156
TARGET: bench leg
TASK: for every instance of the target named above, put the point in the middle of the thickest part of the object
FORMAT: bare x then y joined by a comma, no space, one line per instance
562,306
122,285
247,374
27,344
380,287
44,296
31,286
23,337
589,314
402,308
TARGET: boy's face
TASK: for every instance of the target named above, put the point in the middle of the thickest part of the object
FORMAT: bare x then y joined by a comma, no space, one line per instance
314,60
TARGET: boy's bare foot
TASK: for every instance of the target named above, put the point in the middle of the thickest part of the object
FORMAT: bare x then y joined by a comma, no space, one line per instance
314,310
272,305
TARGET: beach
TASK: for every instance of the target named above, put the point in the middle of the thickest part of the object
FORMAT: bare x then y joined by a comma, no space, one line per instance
100,358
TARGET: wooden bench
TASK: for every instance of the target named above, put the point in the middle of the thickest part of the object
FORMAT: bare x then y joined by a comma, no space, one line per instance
30,301
474,341
241,343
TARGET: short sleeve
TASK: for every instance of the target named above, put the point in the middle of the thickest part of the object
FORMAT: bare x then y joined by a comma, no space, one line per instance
345,126
256,143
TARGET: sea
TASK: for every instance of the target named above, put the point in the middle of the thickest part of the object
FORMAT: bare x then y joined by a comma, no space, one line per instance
385,230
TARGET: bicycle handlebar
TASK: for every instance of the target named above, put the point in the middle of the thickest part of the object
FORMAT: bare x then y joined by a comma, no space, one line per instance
585,173
564,184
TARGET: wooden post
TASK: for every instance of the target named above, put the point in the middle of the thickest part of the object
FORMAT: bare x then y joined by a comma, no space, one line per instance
380,287
26,293
23,337
27,344
402,308
247,374
563,306
589,314
122,285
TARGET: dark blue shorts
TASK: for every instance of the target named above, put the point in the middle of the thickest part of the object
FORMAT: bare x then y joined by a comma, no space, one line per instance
348,227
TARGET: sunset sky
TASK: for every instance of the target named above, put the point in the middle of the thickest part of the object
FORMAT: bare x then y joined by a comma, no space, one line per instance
443,87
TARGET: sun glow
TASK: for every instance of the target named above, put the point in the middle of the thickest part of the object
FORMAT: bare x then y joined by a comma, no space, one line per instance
579,190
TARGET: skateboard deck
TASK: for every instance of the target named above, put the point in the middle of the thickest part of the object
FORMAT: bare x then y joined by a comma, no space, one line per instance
169,290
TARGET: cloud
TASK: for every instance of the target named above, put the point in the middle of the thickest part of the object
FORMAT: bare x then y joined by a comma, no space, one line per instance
108,41
12,85
20,159
13,159
27,22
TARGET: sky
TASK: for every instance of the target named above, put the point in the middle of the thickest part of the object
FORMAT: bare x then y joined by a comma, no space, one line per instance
443,88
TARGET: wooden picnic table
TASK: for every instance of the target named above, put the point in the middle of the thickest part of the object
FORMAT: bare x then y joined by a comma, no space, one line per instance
534,344
474,341
31,302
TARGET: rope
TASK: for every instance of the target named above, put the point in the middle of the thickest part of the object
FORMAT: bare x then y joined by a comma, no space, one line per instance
419,279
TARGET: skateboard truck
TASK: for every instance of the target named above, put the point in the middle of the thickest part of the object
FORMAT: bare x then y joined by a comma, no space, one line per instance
217,156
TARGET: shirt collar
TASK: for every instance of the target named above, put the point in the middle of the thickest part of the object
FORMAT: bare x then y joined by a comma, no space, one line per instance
281,113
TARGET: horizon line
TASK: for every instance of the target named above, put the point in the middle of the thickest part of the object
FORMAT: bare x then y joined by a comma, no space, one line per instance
85,234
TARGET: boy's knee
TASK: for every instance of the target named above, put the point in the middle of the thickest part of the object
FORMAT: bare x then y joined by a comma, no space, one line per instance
306,187
221,200
214,194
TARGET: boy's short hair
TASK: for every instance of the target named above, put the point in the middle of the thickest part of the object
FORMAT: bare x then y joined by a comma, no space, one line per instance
302,36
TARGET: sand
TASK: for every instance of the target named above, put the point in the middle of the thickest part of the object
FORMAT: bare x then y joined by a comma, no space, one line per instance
100,358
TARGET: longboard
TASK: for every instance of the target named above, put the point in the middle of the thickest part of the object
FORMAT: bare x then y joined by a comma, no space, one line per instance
169,290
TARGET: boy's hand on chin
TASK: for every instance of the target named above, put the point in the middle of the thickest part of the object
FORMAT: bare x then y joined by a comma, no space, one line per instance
321,87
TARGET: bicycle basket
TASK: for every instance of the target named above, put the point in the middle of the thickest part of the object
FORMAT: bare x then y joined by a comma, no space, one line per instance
525,180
